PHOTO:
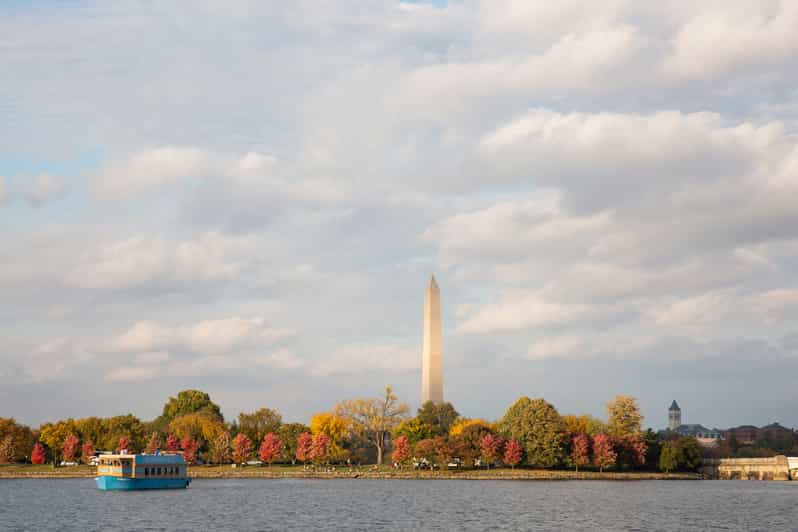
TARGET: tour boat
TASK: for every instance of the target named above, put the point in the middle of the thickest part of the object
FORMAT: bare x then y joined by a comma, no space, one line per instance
142,472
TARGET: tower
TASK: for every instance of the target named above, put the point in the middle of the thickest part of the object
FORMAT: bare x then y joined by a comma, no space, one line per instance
674,416
432,356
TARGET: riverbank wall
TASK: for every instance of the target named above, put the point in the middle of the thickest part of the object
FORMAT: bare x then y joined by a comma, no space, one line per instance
223,472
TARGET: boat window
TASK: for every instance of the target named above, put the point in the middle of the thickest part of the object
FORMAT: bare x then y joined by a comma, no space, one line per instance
159,470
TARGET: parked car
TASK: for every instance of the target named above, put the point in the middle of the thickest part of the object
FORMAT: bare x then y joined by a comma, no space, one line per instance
63,463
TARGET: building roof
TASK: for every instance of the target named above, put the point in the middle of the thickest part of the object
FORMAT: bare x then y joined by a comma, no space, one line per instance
692,430
674,406
776,426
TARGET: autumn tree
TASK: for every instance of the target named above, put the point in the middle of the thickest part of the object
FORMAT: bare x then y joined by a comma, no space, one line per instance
289,434
490,446
603,452
172,443
623,416
202,427
584,424
538,427
580,450
154,444
53,435
38,455
336,427
270,448
258,423
16,440
440,416
304,443
7,450
467,445
401,450
220,449
87,451
630,450
436,450
70,448
374,419
124,443
461,424
190,450
190,402
242,448
320,448
414,430
513,452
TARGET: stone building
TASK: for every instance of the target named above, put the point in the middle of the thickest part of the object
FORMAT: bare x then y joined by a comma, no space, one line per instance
674,416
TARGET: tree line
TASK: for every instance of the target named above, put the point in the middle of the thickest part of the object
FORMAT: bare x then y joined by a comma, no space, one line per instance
531,433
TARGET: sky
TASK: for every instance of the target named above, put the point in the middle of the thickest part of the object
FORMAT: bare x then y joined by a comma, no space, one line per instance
249,198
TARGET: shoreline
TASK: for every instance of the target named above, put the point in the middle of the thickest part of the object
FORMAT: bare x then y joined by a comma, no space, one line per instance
201,472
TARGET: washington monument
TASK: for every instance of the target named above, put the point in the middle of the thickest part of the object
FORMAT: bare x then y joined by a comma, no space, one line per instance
432,357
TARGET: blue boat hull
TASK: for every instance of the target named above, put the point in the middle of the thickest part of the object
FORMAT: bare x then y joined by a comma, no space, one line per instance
121,483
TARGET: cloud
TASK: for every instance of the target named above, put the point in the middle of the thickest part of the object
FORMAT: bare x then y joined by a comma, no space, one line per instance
142,260
363,359
43,188
209,336
5,193
519,311
715,41
149,169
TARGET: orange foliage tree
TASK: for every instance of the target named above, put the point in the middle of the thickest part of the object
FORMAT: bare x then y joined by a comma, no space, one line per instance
303,446
401,450
87,451
190,448
603,452
270,448
242,448
580,450
490,446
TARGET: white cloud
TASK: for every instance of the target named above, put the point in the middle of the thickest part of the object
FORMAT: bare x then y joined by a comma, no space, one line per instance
141,260
204,337
151,168
724,36
519,311
555,347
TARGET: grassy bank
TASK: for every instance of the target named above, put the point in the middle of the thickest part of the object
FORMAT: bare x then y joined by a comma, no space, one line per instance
210,472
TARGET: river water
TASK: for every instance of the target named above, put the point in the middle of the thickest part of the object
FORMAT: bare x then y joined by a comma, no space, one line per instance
253,504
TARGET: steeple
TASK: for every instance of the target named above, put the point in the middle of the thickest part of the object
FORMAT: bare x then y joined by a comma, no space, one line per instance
674,406
674,416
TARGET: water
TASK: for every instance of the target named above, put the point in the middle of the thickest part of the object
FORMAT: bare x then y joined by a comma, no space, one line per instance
402,505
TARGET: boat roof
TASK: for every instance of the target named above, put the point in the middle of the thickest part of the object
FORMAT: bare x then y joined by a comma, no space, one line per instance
155,459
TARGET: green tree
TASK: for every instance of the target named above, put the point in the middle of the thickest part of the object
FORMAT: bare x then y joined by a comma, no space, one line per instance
670,456
584,424
127,426
288,434
623,416
691,453
190,402
654,446
538,427
440,416
414,430
259,423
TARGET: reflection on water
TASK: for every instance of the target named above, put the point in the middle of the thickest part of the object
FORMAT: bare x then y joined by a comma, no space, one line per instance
402,505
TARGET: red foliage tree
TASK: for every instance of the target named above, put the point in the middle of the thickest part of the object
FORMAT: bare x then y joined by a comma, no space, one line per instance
172,443
303,445
270,448
87,451
70,448
242,448
38,455
190,449
603,452
490,446
124,443
154,444
401,450
320,448
512,453
580,450
630,450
